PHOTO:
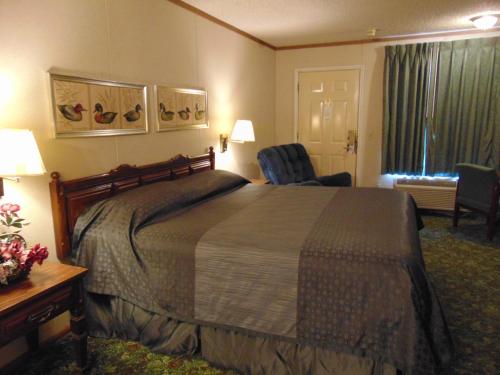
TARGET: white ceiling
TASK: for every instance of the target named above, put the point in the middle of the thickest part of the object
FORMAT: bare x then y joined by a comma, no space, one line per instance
291,22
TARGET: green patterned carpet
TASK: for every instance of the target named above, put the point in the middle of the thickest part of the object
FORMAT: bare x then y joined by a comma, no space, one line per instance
465,269
463,265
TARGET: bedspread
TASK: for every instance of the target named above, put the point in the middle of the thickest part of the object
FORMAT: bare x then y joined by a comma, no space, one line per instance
339,268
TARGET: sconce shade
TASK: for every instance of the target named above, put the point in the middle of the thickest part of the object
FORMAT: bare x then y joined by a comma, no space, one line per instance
19,154
243,132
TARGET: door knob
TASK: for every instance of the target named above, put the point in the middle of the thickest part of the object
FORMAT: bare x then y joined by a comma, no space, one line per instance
352,142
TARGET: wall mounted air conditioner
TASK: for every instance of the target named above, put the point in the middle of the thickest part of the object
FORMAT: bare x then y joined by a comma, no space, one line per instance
431,194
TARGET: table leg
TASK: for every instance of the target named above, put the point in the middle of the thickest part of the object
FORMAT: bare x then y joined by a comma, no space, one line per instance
78,325
32,339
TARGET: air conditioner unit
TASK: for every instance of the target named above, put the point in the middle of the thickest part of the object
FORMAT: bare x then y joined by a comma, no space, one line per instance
432,194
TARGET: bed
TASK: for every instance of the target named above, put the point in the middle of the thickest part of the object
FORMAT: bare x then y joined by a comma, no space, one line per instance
265,279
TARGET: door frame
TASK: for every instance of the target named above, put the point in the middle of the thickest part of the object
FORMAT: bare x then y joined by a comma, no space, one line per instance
360,68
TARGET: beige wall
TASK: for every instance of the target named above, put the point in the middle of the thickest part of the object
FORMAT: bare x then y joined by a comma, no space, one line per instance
371,58
155,42
139,41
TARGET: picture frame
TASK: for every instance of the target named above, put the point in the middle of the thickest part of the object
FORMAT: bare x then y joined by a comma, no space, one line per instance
85,107
180,108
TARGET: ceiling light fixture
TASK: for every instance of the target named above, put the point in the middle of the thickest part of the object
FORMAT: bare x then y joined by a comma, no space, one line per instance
485,21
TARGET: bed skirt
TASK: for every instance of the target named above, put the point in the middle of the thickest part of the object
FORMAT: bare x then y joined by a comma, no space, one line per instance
114,317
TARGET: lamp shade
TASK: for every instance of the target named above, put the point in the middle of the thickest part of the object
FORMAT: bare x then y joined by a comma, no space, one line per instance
19,154
243,132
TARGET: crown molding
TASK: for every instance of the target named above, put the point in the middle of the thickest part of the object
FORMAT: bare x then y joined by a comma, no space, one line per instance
389,38
219,22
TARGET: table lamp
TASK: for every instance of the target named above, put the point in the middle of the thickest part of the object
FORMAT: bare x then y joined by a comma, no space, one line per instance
19,155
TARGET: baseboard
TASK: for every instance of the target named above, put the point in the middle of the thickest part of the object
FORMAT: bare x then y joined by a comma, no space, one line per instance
11,366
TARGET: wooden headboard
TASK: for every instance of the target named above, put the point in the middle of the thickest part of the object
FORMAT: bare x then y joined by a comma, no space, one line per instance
70,197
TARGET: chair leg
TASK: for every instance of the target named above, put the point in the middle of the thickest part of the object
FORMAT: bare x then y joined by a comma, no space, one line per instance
491,230
491,224
456,214
492,215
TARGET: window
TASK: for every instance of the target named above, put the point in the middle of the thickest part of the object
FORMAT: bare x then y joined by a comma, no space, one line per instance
441,106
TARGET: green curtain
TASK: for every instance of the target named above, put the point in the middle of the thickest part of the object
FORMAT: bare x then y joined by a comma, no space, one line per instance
466,123
406,89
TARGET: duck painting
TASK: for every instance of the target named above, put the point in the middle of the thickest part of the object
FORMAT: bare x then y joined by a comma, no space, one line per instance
102,117
133,115
184,114
71,113
199,114
164,114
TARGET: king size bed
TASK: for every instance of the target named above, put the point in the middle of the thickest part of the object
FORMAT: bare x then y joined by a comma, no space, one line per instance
266,279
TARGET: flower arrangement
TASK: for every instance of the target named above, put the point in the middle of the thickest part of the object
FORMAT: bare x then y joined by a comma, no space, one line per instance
16,260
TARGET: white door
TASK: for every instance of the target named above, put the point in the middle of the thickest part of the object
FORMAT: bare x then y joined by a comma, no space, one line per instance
328,119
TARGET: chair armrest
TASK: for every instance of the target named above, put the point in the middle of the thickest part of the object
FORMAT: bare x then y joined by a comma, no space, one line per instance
339,179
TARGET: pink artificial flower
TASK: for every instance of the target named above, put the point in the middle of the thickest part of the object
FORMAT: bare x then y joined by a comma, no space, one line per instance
38,254
14,256
14,208
5,207
9,208
14,249
5,251
3,274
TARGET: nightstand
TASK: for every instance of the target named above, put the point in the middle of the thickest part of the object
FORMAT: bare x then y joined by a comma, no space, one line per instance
50,290
259,181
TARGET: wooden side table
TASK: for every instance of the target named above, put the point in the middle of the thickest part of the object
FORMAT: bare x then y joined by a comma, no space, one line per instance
259,181
50,290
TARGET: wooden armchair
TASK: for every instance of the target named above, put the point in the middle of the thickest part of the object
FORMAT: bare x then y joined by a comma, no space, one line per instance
478,190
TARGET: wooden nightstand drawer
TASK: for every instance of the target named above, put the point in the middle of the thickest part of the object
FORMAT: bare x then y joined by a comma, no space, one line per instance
48,291
259,181
39,311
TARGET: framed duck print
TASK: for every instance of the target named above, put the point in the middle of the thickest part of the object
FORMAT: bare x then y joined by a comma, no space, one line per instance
85,107
179,109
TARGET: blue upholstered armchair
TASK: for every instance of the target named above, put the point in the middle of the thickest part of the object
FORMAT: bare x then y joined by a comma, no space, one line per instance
290,164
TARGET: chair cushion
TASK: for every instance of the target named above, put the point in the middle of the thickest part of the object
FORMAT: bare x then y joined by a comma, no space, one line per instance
480,206
339,179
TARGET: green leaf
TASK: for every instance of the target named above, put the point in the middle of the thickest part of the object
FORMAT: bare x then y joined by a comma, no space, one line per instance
17,225
9,220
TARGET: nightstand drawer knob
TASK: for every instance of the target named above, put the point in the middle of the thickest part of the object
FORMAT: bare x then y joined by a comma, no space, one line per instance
43,315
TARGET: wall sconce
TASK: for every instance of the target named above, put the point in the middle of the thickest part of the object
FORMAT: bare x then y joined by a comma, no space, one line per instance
20,155
242,132
223,138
